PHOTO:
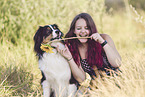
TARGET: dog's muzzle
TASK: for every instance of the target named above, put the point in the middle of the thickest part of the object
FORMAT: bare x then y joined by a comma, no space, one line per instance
56,33
59,35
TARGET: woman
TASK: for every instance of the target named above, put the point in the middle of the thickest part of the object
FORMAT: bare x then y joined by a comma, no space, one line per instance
89,54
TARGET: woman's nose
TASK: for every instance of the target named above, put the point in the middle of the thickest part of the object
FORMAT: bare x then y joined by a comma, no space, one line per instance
83,31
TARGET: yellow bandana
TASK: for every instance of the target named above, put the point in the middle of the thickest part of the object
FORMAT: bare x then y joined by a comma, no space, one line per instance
47,48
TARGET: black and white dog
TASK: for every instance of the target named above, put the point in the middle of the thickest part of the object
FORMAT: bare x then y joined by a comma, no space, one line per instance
55,69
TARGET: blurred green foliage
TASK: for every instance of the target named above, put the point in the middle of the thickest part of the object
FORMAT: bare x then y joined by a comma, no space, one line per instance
116,5
21,18
138,4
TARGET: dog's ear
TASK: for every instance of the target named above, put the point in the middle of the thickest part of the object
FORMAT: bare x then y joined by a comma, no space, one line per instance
38,33
38,39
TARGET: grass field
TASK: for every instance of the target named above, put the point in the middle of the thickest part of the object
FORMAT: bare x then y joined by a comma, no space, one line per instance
19,72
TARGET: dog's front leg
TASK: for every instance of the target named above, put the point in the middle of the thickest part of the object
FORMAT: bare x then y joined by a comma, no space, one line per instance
72,90
46,88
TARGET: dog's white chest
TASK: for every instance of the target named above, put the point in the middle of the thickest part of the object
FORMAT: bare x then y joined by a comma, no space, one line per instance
54,65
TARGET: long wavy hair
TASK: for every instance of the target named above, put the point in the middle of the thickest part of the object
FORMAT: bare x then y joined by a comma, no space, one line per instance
94,52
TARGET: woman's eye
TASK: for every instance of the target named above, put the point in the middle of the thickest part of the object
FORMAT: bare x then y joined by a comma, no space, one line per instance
86,28
78,28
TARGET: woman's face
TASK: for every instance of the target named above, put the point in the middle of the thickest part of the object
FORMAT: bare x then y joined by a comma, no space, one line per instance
81,30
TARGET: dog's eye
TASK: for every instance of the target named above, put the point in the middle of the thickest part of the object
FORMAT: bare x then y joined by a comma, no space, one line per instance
48,28
57,32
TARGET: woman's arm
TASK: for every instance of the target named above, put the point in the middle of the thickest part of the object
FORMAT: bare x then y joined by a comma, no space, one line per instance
77,72
111,52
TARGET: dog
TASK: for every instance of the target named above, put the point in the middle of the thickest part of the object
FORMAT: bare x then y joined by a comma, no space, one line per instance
56,73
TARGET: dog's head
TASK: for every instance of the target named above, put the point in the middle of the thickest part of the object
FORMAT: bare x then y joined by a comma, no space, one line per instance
44,35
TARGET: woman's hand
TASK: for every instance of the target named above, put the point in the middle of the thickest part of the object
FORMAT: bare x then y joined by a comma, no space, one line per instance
65,52
97,37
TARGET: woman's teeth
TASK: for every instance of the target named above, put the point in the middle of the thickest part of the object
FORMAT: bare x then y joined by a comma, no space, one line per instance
83,35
